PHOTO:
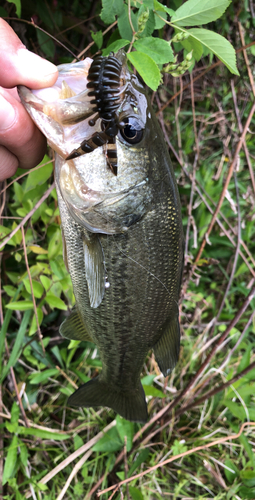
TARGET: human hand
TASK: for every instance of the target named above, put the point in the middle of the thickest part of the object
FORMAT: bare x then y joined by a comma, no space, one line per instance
21,142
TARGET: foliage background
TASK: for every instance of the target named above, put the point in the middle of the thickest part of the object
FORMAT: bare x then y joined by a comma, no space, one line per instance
49,450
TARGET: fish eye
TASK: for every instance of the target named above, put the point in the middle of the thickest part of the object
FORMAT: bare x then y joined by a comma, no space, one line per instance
131,130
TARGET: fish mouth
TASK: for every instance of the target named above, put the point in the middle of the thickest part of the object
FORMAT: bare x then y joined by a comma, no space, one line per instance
104,212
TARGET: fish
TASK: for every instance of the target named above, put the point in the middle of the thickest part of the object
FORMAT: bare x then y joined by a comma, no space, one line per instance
122,234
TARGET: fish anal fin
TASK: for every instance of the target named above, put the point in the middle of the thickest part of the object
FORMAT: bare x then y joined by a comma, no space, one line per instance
73,328
94,269
128,404
167,348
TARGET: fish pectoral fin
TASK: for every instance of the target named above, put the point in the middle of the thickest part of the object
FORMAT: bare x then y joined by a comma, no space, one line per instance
131,405
94,269
73,328
167,348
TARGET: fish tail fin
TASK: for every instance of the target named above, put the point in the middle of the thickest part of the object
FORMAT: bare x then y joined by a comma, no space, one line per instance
129,404
167,349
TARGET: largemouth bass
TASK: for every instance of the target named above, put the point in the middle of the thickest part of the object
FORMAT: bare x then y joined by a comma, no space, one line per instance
122,234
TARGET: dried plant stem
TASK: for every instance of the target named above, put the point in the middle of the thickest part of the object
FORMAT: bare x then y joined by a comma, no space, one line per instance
240,130
87,446
176,457
16,389
75,470
39,333
222,196
237,250
199,189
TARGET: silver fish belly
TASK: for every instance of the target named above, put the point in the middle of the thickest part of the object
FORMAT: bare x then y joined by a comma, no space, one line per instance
122,235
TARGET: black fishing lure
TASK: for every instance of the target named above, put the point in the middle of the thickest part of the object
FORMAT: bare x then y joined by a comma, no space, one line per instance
104,82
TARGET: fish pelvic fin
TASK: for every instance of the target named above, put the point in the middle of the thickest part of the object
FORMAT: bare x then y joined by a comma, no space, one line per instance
130,405
73,328
167,348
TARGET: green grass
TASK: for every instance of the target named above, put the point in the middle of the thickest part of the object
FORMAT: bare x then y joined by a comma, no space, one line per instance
52,451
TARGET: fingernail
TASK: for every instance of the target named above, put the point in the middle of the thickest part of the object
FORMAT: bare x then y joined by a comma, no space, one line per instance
34,66
7,114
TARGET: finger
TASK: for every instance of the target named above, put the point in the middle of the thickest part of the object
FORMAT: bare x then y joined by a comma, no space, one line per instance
8,164
19,66
18,133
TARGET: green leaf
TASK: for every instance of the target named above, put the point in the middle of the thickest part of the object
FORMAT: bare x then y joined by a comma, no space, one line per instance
5,326
248,477
39,176
146,68
20,305
193,44
115,46
246,493
159,50
162,8
236,409
111,8
124,24
55,244
197,12
46,282
135,493
54,301
40,377
218,45
15,353
19,193
46,43
17,4
245,359
153,391
14,413
246,445
33,326
37,287
98,38
230,474
43,434
23,451
149,25
125,428
37,249
110,442
148,380
142,457
10,462
159,23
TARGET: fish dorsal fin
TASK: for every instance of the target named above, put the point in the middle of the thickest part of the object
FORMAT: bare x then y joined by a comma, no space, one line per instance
94,269
167,348
72,328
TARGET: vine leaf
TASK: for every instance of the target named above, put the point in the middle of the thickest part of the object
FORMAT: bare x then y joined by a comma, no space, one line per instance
197,12
159,50
218,45
146,67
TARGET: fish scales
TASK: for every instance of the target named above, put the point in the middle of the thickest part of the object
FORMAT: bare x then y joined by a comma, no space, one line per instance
124,253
